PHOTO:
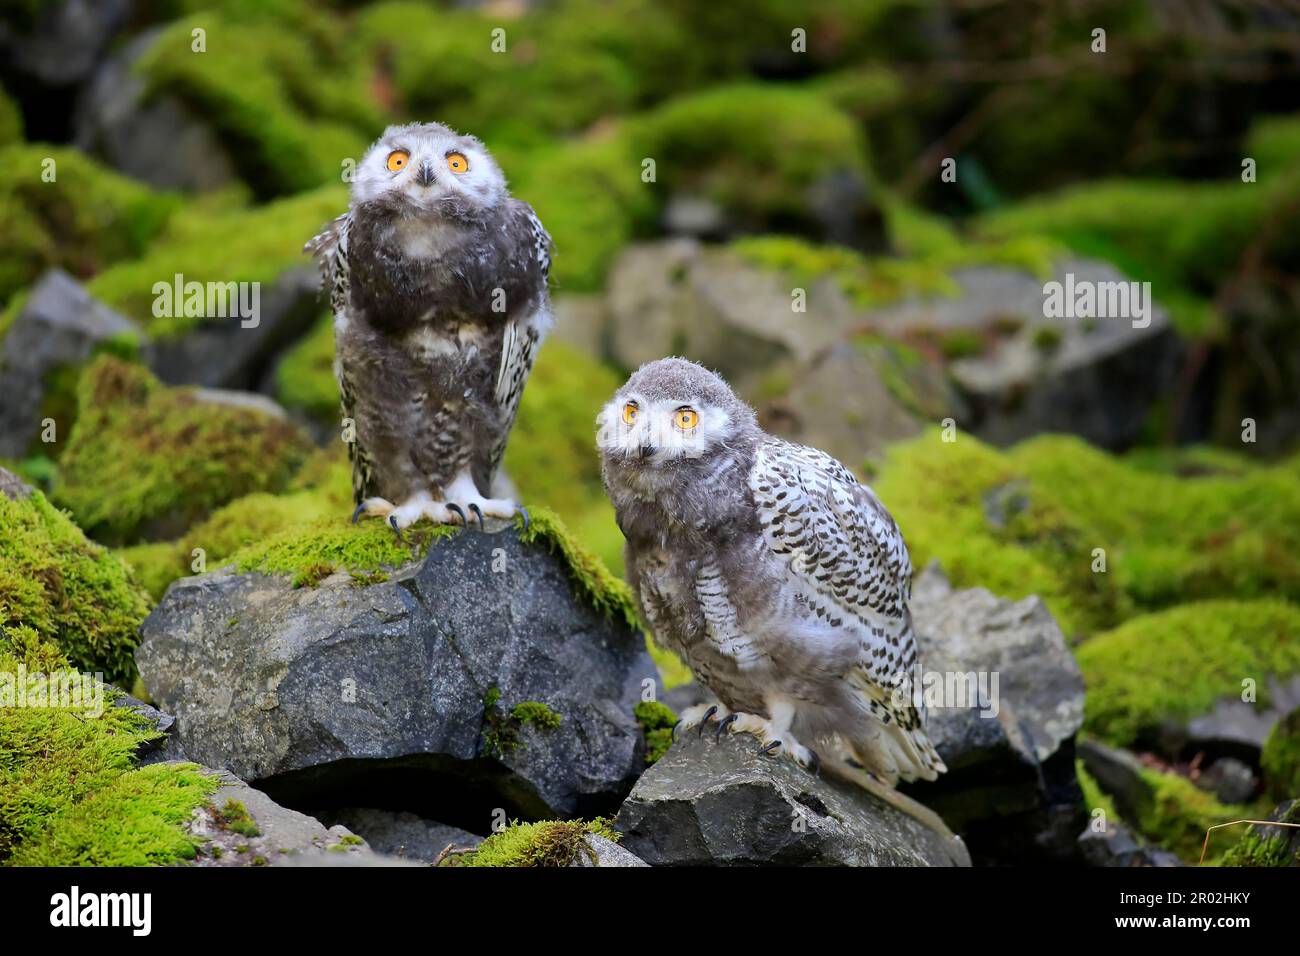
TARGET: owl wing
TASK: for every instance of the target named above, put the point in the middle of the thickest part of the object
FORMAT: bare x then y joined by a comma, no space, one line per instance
847,556
530,259
330,248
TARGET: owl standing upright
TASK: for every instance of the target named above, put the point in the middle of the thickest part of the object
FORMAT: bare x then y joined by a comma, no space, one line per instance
780,579
437,279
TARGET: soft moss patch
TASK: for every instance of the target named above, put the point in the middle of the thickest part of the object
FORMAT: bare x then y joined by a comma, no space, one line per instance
234,816
1174,664
533,713
1280,759
69,795
208,242
144,460
309,553
501,728
1179,813
1269,845
1094,798
67,589
656,722
280,83
83,220
1027,521
546,843
321,489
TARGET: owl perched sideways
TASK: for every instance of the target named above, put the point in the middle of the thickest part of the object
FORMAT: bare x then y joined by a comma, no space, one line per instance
437,281
780,579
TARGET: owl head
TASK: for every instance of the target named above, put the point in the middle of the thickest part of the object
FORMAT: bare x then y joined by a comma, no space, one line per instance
428,167
671,411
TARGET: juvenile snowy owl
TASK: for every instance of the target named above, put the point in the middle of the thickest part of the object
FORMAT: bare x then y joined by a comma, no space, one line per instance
437,281
779,579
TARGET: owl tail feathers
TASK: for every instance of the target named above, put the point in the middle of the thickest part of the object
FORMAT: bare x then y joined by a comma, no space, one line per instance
899,801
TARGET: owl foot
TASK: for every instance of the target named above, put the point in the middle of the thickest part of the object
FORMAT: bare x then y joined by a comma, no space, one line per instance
699,717
373,508
774,740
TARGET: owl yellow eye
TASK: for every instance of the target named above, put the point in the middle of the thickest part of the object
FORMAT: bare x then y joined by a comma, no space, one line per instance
397,160
457,162
686,418
629,413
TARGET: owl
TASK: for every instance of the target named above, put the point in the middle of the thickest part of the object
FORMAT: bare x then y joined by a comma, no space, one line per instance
774,574
437,279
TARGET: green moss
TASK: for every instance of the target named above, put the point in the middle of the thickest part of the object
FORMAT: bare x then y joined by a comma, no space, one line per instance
281,86
234,817
145,459
1184,238
246,522
1274,144
1178,814
1280,759
67,589
304,379
1168,539
304,551
85,219
1269,845
208,243
535,714
656,722
1094,798
69,795
546,843
931,254
754,149
590,197
11,121
1175,664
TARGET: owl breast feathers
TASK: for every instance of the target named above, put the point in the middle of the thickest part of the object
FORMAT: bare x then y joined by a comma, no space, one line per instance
437,281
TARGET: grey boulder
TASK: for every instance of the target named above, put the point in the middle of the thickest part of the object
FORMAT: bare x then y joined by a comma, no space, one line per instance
1004,701
404,693
717,802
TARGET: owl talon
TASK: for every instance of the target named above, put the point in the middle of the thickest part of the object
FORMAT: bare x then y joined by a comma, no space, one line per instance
478,513
357,514
397,530
523,511
458,510
724,723
769,748
708,715
673,735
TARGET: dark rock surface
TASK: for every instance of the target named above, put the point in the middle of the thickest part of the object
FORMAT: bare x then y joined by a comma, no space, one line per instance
375,696
60,326
1116,846
1011,703
401,834
717,802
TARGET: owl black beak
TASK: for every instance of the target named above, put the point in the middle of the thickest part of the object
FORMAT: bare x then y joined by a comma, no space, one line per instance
647,451
424,175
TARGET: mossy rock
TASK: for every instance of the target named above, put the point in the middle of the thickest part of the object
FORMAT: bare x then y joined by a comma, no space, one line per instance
1027,520
146,461
70,794
1280,759
209,243
1173,665
304,377
86,218
1179,813
544,843
1275,845
280,83
67,590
